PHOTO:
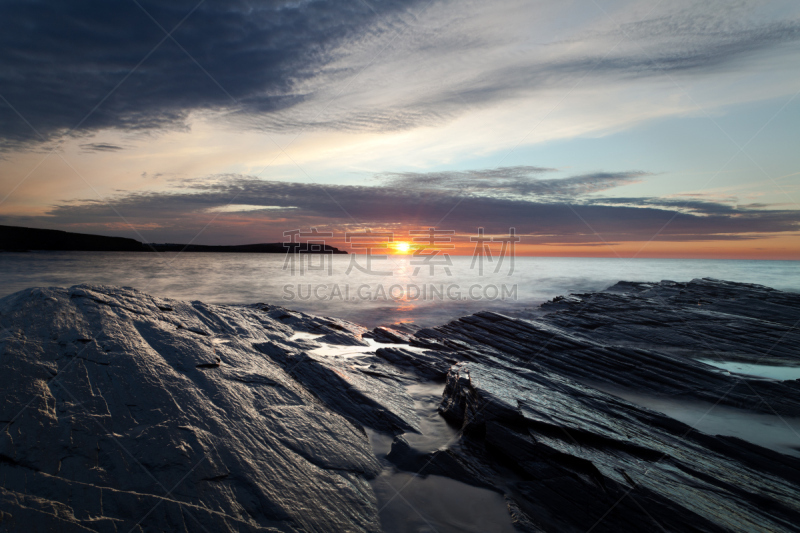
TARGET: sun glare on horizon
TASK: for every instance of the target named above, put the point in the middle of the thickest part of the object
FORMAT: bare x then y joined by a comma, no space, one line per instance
402,247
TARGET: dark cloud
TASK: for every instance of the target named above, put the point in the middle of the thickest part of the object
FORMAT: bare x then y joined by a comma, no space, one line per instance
100,147
98,64
519,181
582,244
182,213
61,61
463,180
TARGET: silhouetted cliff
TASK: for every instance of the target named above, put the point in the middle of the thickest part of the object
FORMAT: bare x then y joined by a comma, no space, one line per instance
263,248
14,238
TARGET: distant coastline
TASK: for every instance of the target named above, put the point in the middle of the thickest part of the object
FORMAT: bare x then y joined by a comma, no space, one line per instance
21,239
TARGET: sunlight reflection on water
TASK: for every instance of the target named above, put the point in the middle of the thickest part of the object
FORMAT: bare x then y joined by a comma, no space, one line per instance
250,278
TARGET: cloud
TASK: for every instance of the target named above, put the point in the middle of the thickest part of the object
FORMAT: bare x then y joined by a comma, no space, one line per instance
583,244
285,205
519,181
728,207
95,64
241,208
100,147
455,65
338,65
700,36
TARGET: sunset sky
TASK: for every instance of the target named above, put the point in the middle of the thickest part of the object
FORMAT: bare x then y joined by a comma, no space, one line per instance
594,128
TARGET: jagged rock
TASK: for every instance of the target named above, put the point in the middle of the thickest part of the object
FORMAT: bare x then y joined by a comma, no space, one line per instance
648,338
333,330
392,335
439,463
359,393
580,453
702,318
580,459
428,364
126,412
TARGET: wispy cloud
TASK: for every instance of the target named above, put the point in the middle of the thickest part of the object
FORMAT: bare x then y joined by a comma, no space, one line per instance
519,181
285,62
100,147
455,65
272,207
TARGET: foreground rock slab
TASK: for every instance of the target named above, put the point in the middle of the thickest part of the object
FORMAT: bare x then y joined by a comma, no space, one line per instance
125,412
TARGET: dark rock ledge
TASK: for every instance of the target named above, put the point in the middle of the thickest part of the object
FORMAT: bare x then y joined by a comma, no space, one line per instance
122,411
127,412
573,458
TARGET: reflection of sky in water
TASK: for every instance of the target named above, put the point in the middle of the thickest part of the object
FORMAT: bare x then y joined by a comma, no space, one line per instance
250,278
438,504
782,373
335,350
432,503
781,434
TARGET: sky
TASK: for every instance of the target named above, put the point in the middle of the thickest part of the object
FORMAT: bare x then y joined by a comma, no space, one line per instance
593,128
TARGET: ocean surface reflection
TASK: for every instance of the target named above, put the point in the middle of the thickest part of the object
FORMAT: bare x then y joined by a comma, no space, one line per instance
250,278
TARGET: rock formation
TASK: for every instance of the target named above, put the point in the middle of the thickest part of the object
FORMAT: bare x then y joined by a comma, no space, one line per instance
127,412
574,458
123,411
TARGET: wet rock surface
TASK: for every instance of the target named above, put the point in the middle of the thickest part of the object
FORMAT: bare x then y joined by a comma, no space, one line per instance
573,458
126,412
586,460
649,337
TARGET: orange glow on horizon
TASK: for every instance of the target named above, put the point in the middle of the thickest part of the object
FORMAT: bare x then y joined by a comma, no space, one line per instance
401,247
782,247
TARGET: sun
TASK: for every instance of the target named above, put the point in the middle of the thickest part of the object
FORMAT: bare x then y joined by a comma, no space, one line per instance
402,247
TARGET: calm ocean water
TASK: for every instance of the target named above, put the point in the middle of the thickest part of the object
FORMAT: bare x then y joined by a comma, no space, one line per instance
404,296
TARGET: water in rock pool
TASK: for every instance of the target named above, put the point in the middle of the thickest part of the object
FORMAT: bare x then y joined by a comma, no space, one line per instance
408,502
411,503
436,432
779,433
250,278
780,373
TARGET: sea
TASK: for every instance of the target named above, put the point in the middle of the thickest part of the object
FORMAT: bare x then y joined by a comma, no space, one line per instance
378,291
